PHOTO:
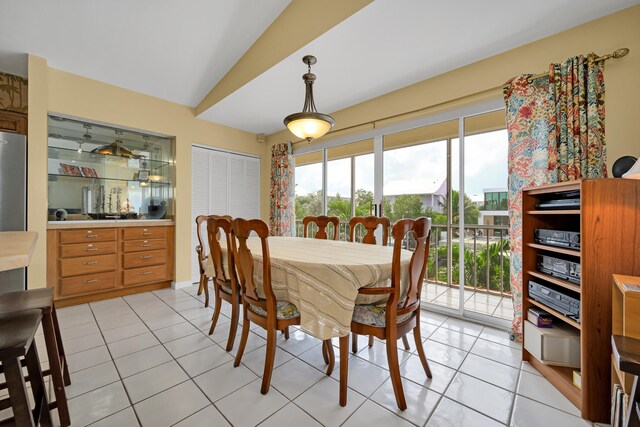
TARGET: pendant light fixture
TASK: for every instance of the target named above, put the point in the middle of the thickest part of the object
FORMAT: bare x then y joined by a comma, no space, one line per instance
309,124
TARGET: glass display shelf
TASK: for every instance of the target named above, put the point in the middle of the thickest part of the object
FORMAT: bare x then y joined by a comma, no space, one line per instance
100,171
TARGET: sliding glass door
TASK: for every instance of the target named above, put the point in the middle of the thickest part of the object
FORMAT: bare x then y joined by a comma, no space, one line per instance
452,170
417,182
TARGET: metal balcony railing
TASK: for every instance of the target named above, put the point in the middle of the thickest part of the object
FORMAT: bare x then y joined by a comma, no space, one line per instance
486,255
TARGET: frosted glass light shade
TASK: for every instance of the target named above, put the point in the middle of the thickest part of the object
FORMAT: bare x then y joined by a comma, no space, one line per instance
309,125
634,172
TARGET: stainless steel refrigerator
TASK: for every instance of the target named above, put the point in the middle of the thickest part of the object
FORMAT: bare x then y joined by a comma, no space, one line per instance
13,199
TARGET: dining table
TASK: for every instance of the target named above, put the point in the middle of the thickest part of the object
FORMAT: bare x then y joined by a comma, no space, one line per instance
322,278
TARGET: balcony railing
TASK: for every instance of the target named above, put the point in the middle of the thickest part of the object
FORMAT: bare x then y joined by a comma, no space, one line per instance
486,255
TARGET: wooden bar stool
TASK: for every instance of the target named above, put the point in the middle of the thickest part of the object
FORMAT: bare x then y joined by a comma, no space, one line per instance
626,355
17,331
42,299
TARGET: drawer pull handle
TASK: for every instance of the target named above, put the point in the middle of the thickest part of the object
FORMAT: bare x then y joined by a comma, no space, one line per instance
145,246
90,281
146,257
90,236
90,249
145,273
146,233
90,262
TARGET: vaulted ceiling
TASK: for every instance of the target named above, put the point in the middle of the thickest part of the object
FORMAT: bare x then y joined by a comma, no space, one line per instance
238,62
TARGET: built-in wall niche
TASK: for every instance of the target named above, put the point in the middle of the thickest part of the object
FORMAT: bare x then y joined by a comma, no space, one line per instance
98,171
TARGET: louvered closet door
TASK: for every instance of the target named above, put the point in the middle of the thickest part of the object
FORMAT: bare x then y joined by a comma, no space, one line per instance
237,187
252,171
199,200
222,184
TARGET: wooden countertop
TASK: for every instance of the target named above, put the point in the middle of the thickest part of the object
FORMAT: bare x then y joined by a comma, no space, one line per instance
16,248
632,288
59,225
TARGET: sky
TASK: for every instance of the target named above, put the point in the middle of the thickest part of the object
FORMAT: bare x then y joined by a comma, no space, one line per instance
414,170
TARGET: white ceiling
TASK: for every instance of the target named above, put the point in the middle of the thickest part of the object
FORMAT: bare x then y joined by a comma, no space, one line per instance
174,50
179,50
391,44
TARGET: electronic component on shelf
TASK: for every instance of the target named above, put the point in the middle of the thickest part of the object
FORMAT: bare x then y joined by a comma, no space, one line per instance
562,200
562,300
539,317
560,268
563,239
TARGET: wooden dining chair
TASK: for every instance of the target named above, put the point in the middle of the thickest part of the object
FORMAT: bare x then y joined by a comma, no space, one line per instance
398,316
371,224
201,251
322,222
268,312
225,283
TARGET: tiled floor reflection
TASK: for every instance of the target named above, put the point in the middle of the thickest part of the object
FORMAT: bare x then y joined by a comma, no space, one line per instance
147,360
475,301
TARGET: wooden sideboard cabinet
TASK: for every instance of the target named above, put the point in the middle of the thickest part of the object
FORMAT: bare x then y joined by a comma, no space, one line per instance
95,262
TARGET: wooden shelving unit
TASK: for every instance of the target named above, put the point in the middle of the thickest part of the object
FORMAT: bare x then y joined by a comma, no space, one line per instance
610,237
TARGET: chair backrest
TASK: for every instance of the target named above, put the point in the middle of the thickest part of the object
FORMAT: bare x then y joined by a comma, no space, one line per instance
242,229
201,249
322,222
370,223
216,225
420,228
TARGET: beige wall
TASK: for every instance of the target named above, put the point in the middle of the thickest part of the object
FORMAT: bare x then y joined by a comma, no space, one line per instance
56,91
483,80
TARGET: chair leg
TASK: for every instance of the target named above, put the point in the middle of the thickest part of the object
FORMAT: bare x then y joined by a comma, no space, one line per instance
268,360
394,370
61,353
56,367
216,312
325,354
206,291
200,284
37,387
370,341
344,368
405,341
235,313
423,357
329,355
245,335
285,331
354,343
17,392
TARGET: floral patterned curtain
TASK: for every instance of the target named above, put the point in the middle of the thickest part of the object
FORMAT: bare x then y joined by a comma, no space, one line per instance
556,133
576,88
527,109
282,190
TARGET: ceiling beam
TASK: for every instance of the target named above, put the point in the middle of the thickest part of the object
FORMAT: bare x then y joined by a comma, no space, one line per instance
307,20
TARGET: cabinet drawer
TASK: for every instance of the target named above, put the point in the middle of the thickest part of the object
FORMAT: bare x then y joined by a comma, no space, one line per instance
88,235
86,249
144,275
144,245
136,233
89,283
87,265
143,259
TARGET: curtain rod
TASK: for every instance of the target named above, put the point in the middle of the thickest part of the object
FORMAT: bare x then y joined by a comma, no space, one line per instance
619,53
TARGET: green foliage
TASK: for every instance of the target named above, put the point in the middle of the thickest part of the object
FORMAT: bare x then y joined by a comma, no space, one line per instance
475,267
337,206
311,204
471,211
364,202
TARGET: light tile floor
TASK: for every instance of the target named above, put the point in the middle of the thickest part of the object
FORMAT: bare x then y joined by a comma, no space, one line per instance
476,301
146,360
